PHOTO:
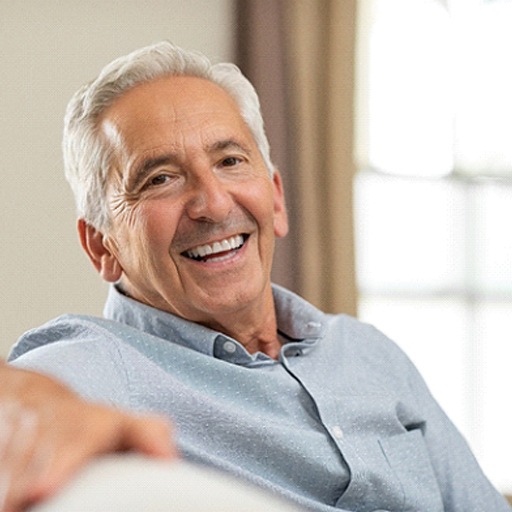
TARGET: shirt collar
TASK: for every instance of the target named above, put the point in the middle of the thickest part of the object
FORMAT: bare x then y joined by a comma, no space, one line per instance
298,322
156,322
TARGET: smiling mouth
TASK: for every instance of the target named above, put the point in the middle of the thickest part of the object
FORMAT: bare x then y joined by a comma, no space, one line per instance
216,250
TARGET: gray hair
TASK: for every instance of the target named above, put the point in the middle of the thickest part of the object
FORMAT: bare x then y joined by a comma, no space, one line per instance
88,158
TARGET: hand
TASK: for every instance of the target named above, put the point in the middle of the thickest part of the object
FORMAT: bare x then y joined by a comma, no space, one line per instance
47,433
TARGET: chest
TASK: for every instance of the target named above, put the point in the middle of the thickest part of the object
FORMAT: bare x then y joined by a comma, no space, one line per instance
289,426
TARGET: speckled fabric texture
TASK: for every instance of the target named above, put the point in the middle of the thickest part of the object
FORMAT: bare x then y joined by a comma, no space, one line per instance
342,421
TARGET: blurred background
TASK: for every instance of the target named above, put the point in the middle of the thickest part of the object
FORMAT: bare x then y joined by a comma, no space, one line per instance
390,121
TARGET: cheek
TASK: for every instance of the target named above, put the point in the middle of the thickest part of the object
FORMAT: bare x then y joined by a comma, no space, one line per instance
258,199
154,226
266,214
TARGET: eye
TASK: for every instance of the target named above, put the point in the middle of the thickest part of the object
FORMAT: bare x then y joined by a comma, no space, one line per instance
231,161
156,180
159,179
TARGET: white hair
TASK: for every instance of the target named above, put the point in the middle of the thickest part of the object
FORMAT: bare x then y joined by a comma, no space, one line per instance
88,158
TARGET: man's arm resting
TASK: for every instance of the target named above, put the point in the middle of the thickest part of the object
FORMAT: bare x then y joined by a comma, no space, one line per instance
47,432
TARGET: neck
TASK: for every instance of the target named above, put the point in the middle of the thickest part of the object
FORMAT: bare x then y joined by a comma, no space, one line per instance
256,329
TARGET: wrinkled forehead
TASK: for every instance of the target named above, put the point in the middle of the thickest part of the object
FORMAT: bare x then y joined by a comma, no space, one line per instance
173,97
173,100
172,114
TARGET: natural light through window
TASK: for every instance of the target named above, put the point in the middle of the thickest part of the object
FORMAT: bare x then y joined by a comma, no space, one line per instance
433,203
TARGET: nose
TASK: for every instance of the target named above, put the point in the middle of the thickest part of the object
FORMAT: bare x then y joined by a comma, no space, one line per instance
209,199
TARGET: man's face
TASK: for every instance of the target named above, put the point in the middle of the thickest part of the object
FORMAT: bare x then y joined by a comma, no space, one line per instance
194,210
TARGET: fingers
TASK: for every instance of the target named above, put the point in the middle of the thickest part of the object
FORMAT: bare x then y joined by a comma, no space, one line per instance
100,430
22,457
47,433
150,435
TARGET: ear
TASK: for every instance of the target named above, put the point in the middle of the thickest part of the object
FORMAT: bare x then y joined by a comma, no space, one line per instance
280,215
101,256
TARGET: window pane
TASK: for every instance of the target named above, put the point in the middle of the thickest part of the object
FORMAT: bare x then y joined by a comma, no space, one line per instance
405,86
483,54
409,234
493,239
493,416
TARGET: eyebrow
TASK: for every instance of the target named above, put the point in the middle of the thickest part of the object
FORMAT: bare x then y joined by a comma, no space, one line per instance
148,164
227,144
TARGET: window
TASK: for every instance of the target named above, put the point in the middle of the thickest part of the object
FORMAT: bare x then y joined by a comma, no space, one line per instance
433,203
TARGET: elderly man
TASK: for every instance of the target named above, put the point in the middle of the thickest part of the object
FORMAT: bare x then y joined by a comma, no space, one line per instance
179,205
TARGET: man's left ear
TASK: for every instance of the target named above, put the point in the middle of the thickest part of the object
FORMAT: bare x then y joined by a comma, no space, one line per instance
100,254
280,215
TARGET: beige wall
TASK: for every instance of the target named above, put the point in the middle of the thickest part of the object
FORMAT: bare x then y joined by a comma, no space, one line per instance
47,50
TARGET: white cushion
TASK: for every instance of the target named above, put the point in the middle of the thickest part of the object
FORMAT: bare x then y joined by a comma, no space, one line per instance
132,483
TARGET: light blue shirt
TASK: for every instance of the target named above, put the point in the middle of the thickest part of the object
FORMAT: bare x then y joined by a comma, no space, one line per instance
341,421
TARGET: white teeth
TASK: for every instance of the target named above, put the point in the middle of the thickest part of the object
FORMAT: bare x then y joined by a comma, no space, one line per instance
227,244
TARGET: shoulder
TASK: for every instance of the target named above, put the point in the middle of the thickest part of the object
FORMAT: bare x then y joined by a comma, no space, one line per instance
368,350
81,351
360,336
69,330
339,333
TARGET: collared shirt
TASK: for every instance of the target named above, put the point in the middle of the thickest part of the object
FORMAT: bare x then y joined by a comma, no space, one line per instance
340,421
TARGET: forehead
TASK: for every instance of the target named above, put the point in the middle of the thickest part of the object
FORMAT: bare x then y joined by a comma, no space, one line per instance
169,109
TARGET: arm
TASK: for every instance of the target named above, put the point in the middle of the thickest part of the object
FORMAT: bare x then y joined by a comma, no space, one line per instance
47,433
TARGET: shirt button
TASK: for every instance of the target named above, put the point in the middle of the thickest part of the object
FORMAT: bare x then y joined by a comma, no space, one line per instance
229,347
337,432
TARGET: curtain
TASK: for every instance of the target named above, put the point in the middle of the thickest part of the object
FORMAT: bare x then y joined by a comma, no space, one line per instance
261,55
299,54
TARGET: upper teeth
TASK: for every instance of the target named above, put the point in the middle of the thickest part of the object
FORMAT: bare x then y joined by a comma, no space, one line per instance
227,244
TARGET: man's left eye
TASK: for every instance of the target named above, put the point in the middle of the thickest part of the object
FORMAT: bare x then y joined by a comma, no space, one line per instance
159,179
231,161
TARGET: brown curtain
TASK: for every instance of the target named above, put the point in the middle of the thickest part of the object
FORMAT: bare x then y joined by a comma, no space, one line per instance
299,54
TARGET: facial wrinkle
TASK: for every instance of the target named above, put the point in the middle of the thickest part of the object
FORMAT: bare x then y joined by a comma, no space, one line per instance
201,231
